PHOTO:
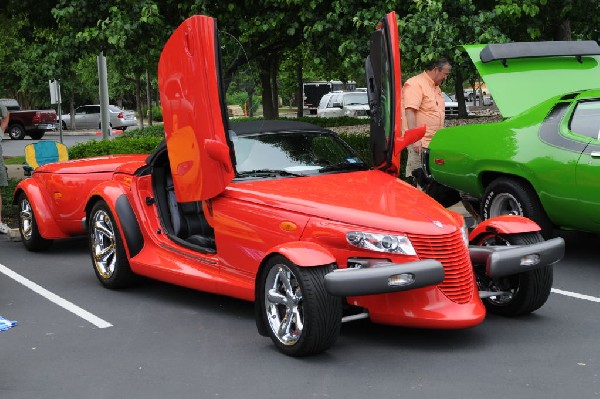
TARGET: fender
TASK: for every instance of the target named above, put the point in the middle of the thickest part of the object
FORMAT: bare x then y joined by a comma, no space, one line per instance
304,253
114,194
39,202
506,224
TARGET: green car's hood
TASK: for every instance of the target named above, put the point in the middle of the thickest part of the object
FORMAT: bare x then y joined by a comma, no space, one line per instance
525,82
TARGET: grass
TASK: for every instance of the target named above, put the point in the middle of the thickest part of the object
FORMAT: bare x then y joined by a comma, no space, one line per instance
9,211
18,160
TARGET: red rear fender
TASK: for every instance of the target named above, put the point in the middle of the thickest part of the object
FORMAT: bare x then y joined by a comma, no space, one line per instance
39,202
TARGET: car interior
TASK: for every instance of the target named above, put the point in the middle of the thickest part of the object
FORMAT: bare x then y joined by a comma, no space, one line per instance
184,222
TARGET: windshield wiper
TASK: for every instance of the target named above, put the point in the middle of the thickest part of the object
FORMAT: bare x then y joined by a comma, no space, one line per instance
342,167
268,173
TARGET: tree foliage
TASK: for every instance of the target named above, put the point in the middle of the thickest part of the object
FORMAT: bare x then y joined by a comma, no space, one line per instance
275,43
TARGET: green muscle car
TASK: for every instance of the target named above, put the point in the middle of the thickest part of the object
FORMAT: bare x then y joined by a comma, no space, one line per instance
543,160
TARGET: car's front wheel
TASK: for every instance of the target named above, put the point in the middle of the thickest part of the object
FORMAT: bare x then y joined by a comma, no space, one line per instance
30,235
300,316
518,294
106,248
509,196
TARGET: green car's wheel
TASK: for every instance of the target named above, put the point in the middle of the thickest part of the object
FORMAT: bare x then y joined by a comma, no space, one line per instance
30,235
521,293
106,248
510,196
299,315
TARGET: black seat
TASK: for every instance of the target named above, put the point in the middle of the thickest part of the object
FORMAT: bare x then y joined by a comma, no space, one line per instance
187,219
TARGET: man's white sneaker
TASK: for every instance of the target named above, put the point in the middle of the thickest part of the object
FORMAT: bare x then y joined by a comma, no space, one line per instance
4,229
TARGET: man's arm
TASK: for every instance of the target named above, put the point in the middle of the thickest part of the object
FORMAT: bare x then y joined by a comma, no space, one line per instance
411,123
4,123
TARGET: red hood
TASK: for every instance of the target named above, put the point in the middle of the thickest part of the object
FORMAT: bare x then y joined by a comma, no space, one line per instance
371,199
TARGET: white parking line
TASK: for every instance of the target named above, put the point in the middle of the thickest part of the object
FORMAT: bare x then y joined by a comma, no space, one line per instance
71,307
576,295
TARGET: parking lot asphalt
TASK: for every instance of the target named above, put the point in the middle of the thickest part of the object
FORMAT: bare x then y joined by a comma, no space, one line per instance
168,341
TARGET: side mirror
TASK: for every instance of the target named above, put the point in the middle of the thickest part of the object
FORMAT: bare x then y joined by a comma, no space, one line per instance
409,137
337,105
219,152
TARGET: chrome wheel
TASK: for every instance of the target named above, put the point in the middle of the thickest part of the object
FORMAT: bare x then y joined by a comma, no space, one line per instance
283,304
28,227
25,218
505,204
104,249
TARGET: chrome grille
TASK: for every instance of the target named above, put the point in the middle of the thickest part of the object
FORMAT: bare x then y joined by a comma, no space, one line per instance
451,251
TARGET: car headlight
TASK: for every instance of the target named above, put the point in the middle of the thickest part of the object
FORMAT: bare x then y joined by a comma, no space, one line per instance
381,242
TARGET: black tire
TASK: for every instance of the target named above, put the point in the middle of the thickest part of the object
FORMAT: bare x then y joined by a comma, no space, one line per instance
106,249
37,135
16,132
314,316
511,196
30,235
526,292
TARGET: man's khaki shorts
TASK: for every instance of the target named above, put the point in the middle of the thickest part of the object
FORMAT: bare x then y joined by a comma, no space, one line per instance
413,161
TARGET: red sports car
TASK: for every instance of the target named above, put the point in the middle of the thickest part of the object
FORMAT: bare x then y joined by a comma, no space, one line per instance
285,214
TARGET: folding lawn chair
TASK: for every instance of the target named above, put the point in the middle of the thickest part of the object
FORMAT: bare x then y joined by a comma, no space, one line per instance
43,152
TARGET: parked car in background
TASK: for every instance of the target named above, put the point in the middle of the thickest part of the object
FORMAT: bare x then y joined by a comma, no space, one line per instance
543,161
313,92
451,106
88,117
471,96
33,123
344,103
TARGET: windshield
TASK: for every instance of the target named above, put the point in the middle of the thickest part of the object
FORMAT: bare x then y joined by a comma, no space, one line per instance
298,153
356,99
447,98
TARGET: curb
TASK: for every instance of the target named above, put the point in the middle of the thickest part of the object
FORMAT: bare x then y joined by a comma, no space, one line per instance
14,235
15,172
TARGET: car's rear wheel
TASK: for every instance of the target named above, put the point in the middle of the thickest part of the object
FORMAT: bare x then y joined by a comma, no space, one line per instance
300,316
16,132
509,196
30,235
106,248
518,294
37,135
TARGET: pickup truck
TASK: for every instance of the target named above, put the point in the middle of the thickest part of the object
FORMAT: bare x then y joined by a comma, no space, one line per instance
32,123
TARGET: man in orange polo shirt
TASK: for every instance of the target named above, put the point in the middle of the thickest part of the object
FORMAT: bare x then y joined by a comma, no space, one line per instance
424,104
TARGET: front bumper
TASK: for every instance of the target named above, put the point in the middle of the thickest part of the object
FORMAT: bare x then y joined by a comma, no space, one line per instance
501,261
383,277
